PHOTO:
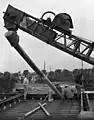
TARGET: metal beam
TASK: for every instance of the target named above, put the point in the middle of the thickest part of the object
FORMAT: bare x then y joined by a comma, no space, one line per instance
48,35
13,38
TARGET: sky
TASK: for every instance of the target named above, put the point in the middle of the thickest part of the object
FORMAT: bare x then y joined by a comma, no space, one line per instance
82,13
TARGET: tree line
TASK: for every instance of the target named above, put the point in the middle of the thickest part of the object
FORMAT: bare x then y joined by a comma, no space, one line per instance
8,80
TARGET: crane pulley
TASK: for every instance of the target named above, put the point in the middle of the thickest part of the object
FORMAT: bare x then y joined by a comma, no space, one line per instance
51,32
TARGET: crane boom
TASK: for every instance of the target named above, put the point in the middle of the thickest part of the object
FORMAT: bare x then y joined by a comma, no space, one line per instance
15,19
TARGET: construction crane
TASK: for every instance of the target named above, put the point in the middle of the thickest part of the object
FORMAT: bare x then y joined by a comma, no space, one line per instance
51,32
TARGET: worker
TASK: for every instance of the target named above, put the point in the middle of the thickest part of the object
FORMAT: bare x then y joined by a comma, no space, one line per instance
68,93
78,81
75,92
26,83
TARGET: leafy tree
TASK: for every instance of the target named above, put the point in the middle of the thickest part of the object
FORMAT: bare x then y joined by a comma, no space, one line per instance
1,80
25,72
66,73
7,82
58,71
51,73
7,75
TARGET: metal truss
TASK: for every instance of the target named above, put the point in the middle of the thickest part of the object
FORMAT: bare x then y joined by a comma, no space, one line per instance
78,47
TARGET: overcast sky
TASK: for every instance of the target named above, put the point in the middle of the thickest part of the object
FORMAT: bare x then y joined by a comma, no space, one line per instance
82,13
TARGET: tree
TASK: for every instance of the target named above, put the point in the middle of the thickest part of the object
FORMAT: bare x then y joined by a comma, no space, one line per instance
58,71
25,72
75,71
1,80
7,75
66,73
51,73
7,82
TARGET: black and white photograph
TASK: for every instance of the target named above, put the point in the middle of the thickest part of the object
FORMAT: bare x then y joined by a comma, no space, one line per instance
47,60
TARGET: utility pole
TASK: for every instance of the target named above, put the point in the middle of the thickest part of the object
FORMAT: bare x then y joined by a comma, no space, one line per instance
82,74
44,65
50,68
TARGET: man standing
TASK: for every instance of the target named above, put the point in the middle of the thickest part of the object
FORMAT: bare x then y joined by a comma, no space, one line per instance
26,83
78,81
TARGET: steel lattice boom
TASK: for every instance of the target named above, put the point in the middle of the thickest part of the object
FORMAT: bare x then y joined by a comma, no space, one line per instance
46,31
